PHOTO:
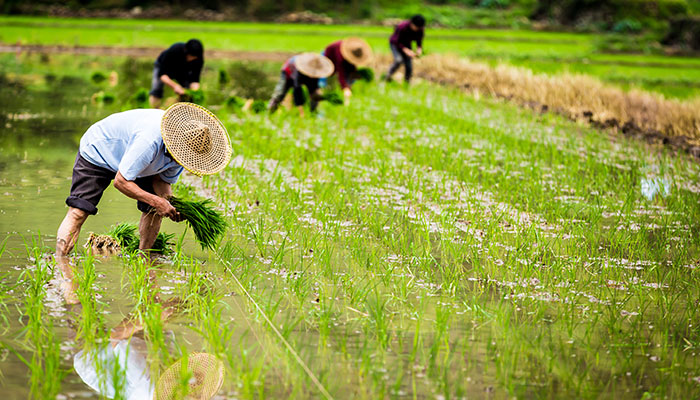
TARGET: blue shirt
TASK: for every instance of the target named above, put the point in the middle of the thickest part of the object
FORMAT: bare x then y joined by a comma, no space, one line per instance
130,142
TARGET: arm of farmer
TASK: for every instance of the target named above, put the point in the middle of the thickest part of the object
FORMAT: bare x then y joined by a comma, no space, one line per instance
162,185
196,72
343,80
136,158
131,189
176,86
419,44
408,52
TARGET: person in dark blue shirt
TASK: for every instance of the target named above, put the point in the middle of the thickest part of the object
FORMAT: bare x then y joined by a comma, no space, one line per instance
179,67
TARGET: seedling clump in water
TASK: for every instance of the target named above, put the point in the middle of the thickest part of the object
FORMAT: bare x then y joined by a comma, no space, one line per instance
123,238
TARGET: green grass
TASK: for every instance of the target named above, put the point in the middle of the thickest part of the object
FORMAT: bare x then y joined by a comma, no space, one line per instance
551,52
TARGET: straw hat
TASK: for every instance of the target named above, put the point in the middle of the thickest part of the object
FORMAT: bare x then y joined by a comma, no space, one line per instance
314,65
195,138
207,376
356,51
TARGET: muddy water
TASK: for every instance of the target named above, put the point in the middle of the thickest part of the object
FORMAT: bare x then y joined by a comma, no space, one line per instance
39,133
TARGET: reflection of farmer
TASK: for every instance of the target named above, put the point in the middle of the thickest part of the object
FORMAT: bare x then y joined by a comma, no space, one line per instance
178,67
121,367
299,71
347,55
144,152
401,41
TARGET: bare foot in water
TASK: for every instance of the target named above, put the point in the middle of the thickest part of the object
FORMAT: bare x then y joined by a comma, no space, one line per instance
68,289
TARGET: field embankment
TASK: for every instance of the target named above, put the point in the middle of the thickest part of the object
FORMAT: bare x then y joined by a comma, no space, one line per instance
576,96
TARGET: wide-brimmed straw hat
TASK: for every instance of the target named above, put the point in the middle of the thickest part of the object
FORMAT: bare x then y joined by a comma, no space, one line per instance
314,65
206,374
195,138
356,51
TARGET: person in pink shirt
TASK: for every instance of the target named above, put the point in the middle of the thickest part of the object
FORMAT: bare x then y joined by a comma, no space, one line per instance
401,43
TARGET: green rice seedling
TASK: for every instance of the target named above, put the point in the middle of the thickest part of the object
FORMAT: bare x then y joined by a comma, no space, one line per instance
140,98
193,96
206,222
164,243
125,234
235,102
3,245
224,77
365,74
91,322
258,106
45,364
98,77
334,98
103,97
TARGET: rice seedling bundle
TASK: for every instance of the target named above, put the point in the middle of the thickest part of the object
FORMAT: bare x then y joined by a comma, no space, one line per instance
193,96
365,74
164,243
259,106
206,222
333,98
125,235
235,102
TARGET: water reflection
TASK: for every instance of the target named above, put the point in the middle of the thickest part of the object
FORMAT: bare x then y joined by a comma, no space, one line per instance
121,367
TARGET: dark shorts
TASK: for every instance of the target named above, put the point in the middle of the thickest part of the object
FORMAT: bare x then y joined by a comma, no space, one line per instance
90,181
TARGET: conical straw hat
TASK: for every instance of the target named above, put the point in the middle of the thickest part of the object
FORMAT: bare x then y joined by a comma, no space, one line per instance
195,138
356,51
314,65
206,377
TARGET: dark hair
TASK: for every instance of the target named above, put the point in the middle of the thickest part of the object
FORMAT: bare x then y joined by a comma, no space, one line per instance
418,20
194,47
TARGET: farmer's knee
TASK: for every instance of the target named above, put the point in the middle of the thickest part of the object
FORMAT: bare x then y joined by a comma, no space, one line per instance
77,214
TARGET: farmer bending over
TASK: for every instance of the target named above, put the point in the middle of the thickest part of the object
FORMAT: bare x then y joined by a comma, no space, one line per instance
347,56
144,152
401,42
301,70
178,67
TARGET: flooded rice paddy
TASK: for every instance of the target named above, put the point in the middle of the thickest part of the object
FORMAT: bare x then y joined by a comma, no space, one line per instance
418,243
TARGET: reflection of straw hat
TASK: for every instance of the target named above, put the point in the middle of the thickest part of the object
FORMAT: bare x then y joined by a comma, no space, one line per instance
314,65
205,372
195,138
356,51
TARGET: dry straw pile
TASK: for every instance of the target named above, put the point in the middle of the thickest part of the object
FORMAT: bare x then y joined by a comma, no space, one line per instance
578,97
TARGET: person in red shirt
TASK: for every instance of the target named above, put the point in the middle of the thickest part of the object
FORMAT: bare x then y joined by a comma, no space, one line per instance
299,71
347,56
401,42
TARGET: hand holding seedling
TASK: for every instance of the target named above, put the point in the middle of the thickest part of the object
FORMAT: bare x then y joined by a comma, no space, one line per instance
409,52
165,209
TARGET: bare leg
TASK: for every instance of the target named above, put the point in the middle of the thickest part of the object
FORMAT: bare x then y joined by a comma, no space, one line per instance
155,102
65,241
149,226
